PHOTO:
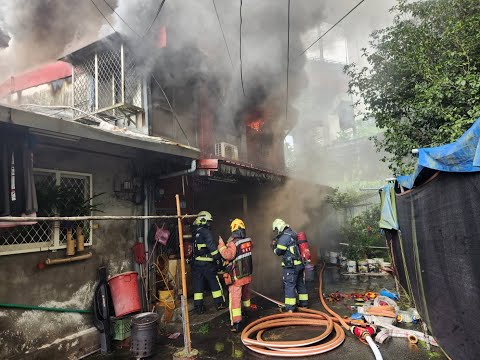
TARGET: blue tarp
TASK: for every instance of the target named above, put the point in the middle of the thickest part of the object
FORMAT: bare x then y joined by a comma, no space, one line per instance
388,216
461,156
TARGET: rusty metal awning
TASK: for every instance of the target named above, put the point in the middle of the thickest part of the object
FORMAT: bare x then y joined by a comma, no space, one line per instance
225,169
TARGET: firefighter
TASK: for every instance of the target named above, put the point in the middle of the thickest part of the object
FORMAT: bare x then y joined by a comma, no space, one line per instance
205,263
238,275
285,245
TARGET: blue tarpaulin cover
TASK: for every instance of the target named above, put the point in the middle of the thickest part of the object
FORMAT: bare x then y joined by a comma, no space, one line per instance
462,155
388,215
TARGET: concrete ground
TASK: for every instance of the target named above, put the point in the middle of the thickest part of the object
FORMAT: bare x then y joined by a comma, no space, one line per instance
214,340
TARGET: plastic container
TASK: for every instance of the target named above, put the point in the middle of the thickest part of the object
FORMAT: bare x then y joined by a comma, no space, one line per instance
309,273
125,296
383,301
362,266
389,294
333,257
122,328
343,261
351,266
405,317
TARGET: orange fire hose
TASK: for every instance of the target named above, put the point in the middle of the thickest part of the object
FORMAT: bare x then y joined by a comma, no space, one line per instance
305,317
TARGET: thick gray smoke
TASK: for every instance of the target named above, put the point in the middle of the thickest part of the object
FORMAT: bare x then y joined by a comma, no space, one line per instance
38,31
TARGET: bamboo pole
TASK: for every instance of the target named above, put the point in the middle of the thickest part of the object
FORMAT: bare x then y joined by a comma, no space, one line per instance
93,217
188,345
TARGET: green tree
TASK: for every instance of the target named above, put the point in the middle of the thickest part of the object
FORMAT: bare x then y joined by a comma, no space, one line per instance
422,84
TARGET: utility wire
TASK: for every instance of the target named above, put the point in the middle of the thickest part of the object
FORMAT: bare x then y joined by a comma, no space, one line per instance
103,15
288,60
241,66
326,32
156,16
111,8
223,34
153,76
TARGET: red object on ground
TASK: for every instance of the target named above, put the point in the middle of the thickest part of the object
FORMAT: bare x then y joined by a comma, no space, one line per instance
139,253
124,290
303,245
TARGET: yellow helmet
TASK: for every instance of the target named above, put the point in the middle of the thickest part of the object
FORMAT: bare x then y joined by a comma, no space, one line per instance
279,225
202,218
237,224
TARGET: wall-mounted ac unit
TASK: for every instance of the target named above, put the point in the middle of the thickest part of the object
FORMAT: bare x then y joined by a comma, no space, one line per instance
226,150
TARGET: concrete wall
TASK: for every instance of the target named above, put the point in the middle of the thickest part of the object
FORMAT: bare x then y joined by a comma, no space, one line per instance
69,285
58,92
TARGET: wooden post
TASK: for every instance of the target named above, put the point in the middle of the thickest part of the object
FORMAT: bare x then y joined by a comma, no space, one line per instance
188,345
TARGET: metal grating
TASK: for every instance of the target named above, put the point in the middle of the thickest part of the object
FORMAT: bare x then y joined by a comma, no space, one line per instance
100,75
49,235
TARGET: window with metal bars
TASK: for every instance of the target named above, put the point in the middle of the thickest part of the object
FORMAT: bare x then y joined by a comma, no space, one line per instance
50,235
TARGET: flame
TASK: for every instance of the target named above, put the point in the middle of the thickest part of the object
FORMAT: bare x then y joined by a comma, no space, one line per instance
256,125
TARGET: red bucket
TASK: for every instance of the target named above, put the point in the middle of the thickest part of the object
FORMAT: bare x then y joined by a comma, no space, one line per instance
124,290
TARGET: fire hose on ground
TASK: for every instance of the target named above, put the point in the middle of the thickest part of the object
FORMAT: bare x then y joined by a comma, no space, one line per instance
332,323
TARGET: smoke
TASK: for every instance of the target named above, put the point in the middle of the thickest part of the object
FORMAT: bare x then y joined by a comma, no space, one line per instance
37,32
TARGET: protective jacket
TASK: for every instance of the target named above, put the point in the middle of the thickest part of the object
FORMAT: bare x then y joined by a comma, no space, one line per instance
238,251
287,247
204,249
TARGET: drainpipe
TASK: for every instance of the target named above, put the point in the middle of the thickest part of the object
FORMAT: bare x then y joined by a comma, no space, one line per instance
192,169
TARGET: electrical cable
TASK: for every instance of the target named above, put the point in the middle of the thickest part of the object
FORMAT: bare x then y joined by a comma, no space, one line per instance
241,65
223,34
156,16
103,15
111,8
326,32
288,60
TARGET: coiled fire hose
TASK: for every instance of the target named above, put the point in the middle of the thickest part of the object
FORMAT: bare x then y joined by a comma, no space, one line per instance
305,317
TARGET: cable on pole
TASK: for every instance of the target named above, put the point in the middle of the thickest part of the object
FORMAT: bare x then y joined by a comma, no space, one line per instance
288,60
155,19
241,65
326,32
103,15
223,34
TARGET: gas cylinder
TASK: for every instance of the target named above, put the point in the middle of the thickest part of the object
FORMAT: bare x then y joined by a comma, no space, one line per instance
303,246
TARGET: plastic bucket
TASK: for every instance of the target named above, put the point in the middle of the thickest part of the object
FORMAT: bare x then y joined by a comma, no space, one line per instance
351,266
124,290
333,257
362,266
309,273
166,299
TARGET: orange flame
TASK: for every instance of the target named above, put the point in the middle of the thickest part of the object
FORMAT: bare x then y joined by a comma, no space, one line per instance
256,125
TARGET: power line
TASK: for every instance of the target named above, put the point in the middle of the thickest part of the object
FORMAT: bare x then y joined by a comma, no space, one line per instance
156,16
241,65
111,8
153,75
103,15
326,32
288,60
223,34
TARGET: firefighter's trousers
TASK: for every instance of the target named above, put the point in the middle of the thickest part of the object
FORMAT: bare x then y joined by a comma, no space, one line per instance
202,274
294,283
239,295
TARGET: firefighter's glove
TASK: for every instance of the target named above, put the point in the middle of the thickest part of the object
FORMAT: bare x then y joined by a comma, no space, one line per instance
274,244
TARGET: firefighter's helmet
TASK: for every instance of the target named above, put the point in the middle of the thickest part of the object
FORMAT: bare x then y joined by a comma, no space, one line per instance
203,218
279,225
237,224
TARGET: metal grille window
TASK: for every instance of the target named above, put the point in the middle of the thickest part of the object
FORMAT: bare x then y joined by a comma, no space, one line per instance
50,235
106,83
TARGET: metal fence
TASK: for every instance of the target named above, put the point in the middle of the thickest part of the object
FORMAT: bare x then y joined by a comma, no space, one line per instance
42,235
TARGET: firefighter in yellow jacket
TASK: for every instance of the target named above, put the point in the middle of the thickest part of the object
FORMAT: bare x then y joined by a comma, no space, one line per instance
238,254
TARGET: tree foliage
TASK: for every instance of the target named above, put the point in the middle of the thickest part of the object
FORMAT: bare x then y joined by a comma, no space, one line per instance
422,82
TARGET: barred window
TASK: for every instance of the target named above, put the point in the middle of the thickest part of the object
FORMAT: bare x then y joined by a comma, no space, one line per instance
68,190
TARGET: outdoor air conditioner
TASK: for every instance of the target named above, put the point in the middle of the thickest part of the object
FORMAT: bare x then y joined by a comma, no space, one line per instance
226,150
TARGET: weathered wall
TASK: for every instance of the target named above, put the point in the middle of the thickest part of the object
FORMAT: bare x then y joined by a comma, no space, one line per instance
69,285
58,92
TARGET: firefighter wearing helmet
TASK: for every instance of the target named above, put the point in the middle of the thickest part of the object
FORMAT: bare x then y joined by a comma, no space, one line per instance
238,254
205,263
285,244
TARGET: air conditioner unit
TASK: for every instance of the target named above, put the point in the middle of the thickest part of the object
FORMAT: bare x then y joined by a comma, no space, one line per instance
226,150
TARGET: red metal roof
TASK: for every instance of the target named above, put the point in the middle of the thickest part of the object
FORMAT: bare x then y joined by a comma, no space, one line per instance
41,75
